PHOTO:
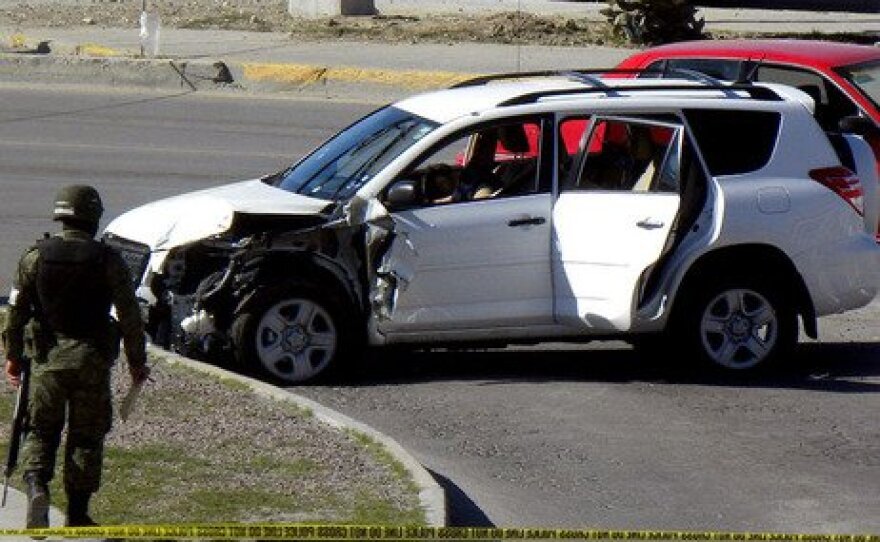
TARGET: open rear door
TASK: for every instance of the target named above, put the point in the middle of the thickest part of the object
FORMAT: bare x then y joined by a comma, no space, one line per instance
612,220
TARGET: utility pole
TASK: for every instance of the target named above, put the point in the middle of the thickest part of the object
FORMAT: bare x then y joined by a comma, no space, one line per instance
150,29
142,19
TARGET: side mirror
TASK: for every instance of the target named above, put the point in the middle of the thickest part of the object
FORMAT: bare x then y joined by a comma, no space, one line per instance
858,125
403,194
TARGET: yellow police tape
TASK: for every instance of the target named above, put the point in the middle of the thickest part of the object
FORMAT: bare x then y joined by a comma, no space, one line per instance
299,531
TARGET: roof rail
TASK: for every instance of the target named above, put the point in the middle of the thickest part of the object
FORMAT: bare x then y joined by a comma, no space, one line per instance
754,92
696,75
693,74
744,78
592,80
606,86
591,75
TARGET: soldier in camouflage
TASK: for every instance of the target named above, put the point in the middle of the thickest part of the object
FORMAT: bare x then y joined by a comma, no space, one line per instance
60,317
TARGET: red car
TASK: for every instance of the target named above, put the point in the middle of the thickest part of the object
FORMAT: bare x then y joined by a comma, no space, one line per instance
843,79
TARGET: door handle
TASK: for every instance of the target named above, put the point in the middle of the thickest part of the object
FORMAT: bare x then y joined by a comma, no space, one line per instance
650,223
529,221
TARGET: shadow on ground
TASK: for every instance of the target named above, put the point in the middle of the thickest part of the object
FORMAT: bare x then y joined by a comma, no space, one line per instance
463,511
830,367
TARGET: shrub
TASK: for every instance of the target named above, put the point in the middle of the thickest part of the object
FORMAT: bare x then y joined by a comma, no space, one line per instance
653,22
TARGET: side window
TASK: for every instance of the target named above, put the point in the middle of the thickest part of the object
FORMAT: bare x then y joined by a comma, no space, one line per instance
493,161
628,155
725,70
734,142
569,139
831,103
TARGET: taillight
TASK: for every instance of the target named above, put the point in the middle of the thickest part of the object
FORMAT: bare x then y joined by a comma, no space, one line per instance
842,182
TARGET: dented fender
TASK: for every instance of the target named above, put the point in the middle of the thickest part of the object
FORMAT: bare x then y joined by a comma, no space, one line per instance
391,265
326,255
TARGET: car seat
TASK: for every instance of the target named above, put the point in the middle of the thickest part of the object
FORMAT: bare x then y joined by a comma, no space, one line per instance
516,174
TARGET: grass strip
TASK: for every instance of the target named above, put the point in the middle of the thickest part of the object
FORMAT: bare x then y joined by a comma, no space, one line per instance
201,448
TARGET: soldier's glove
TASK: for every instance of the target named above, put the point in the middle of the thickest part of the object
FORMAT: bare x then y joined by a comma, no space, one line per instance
13,373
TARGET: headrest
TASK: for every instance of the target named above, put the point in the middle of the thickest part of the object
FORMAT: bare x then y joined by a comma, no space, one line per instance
513,138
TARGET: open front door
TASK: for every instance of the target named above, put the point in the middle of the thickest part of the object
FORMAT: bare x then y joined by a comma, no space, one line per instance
468,255
613,220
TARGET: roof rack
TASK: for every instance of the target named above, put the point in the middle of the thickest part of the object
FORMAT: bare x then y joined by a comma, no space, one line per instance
744,78
596,82
754,92
599,85
695,76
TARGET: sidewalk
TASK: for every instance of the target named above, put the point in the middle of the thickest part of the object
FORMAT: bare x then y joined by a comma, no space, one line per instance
13,515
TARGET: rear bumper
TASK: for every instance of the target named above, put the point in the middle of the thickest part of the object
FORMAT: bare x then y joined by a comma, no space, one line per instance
845,276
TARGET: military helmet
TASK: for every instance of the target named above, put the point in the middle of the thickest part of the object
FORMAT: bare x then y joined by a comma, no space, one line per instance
78,202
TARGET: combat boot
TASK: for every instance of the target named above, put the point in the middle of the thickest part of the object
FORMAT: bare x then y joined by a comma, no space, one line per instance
78,510
38,501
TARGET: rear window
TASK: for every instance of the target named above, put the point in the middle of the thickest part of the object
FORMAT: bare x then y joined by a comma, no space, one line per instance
734,142
725,70
866,77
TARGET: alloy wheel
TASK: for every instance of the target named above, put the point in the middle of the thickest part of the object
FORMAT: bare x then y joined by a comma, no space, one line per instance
296,339
739,329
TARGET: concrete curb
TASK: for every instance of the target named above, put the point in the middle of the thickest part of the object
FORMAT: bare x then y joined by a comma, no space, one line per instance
210,74
253,72
431,494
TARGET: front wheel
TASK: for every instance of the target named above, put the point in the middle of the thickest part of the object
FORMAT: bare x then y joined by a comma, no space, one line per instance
292,334
740,324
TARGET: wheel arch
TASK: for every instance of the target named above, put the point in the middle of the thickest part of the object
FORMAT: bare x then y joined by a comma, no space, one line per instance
774,262
276,268
285,278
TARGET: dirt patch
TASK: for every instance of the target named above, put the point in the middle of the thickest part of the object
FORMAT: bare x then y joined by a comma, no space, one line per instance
505,27
271,16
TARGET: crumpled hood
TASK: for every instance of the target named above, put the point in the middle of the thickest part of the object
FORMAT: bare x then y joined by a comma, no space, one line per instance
179,220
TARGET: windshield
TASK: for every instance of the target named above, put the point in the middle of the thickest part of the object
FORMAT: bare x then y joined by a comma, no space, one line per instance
866,77
338,168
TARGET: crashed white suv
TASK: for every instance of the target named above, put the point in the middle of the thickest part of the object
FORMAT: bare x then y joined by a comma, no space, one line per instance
520,210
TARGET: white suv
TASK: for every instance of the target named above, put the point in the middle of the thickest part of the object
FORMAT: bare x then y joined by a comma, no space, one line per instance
521,209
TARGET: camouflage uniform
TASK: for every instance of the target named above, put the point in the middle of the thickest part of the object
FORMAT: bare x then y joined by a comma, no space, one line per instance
71,368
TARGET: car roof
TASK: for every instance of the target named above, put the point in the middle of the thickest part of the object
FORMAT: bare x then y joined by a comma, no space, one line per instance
444,106
815,53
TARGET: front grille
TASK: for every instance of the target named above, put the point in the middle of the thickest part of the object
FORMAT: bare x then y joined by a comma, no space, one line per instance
136,255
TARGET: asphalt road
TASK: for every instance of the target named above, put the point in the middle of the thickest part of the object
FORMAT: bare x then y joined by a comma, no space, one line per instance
563,436
137,147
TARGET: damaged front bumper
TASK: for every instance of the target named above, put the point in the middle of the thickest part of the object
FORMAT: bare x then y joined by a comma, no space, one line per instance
192,294
184,292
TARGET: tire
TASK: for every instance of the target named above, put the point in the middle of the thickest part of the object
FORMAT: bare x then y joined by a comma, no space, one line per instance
293,334
739,324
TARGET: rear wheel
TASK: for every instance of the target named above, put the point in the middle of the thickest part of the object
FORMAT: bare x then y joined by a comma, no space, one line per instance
292,334
739,324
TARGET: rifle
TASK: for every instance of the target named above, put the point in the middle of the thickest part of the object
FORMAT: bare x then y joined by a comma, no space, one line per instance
19,426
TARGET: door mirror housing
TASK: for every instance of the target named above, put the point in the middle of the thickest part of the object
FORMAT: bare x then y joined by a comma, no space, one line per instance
403,194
